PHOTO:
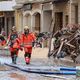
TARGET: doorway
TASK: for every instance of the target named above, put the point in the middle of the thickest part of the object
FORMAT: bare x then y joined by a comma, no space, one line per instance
1,23
58,20
37,22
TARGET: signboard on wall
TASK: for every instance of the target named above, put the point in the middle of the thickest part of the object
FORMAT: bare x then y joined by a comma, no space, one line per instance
27,7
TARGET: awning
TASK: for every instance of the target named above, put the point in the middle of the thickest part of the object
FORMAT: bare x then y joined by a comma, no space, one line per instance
18,6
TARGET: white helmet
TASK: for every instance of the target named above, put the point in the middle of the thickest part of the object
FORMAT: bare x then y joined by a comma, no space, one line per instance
26,27
13,28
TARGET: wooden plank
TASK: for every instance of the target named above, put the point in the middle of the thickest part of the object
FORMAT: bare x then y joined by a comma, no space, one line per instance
60,47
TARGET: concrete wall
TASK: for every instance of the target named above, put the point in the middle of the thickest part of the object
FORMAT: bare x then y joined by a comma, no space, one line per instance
19,20
72,14
36,6
47,17
29,16
79,12
63,7
27,20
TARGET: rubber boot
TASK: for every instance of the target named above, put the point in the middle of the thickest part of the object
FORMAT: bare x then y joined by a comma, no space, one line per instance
27,59
12,59
15,58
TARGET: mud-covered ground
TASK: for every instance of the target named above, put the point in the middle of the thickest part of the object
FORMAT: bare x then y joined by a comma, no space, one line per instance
39,58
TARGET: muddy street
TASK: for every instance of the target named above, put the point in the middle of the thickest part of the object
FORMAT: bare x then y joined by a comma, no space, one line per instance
39,62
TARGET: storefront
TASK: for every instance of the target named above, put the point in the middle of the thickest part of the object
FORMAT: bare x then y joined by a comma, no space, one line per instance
6,21
7,17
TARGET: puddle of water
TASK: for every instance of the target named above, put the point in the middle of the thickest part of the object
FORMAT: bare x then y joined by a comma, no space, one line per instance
5,60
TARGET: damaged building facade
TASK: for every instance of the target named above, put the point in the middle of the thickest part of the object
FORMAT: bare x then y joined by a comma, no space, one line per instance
39,15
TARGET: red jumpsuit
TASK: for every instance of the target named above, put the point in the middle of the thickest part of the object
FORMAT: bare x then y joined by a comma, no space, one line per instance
14,44
27,41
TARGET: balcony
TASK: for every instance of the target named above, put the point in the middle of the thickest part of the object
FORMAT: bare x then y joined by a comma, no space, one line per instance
7,5
30,1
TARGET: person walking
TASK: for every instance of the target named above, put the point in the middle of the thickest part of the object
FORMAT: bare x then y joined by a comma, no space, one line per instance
27,40
14,44
3,38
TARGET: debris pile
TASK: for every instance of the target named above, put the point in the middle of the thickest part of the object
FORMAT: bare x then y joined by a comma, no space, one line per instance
66,42
41,38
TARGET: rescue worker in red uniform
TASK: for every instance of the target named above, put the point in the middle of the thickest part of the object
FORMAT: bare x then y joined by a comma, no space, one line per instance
27,40
14,44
